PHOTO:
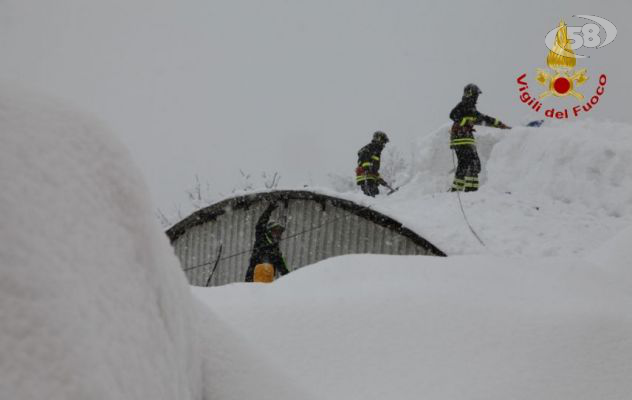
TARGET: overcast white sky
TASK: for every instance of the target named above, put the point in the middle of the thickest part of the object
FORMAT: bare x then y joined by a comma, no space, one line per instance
209,87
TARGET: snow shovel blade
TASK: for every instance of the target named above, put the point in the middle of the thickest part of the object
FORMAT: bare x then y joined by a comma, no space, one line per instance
535,124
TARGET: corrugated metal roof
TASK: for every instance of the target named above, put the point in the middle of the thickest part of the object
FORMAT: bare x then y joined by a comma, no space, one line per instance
318,227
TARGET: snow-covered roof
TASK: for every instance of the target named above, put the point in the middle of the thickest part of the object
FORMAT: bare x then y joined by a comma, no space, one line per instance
214,244
284,196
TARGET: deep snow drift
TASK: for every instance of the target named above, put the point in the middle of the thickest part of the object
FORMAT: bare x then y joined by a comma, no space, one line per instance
543,310
93,304
570,185
562,189
476,327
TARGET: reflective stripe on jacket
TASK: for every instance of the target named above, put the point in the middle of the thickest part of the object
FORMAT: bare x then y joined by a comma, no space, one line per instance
465,116
369,162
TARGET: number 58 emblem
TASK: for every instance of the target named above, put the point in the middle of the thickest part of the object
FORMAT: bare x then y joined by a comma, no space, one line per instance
587,35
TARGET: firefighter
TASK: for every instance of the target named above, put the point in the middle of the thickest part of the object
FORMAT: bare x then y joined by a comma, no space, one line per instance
266,251
368,170
465,116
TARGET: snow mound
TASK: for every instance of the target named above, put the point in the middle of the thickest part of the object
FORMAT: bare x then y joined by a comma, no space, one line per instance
614,258
92,301
405,327
236,368
558,190
585,162
433,163
540,314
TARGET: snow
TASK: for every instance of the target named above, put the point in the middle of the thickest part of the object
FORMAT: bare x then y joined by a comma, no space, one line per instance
570,185
475,327
235,369
562,189
614,258
585,162
93,303
542,310
91,300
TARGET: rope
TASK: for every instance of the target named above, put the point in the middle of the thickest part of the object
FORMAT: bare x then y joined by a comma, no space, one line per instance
458,194
313,228
219,254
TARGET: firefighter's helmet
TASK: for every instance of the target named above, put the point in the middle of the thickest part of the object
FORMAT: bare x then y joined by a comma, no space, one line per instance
275,225
380,136
471,90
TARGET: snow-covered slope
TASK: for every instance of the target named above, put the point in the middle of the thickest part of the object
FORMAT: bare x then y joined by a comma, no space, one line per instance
93,304
587,163
562,189
476,327
543,310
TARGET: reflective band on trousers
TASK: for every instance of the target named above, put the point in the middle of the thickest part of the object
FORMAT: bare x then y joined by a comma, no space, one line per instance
465,119
471,181
366,164
458,183
376,158
457,142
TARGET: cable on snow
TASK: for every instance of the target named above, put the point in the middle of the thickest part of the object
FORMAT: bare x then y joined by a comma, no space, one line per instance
458,194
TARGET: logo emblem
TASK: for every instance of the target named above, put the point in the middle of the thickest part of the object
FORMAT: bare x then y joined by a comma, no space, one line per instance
561,60
562,78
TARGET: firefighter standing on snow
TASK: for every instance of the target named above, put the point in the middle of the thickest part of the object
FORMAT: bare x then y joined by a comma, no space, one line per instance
368,170
266,258
465,116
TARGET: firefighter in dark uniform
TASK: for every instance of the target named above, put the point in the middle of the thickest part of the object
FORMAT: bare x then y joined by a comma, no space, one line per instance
465,116
368,170
266,247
